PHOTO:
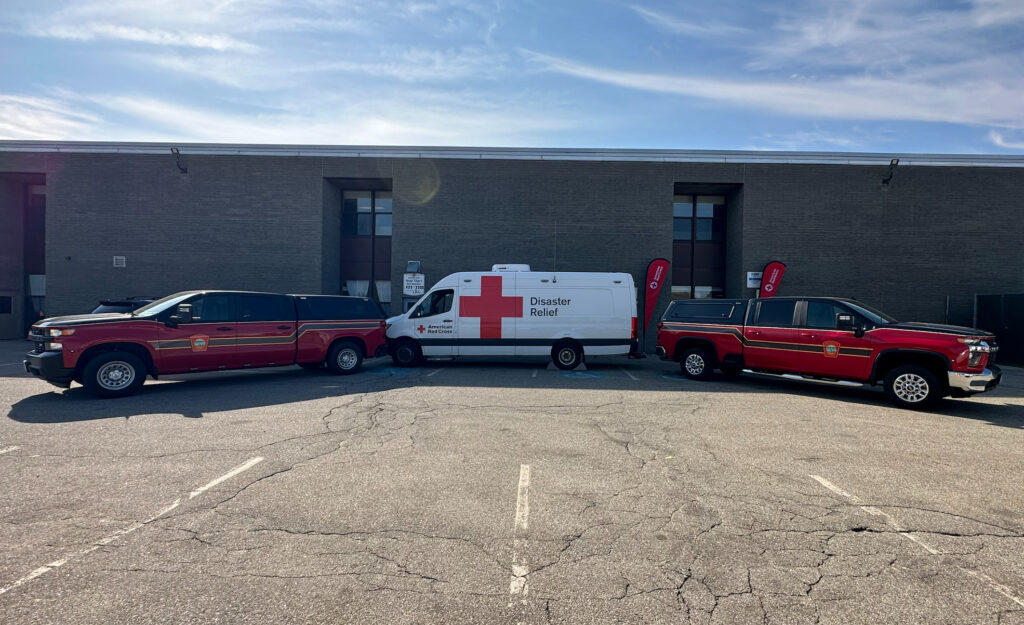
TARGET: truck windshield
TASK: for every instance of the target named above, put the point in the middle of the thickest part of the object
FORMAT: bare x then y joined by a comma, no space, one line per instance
160,305
875,316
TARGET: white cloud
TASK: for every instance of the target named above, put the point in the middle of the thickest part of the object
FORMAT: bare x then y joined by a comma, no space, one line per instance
695,27
853,97
36,118
1000,139
100,31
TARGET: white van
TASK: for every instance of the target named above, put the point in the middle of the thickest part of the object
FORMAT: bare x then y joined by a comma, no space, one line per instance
519,313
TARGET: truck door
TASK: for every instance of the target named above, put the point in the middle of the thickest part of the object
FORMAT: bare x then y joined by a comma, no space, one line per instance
265,330
434,323
772,338
204,339
837,354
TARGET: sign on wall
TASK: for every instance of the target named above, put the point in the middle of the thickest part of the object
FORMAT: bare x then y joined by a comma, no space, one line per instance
754,279
413,284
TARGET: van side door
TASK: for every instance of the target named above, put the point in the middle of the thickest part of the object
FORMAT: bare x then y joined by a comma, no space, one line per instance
434,323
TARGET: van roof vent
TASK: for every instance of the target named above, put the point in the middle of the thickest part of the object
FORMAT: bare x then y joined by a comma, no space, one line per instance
510,267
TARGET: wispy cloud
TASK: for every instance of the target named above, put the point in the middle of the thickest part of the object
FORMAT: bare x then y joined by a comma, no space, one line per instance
34,118
698,26
855,97
1002,140
112,32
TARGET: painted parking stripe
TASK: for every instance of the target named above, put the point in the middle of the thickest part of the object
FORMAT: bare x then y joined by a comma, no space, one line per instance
434,372
106,540
227,476
4,450
631,376
13,364
535,373
1002,589
519,583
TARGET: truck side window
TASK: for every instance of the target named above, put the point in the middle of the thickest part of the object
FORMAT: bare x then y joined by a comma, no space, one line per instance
823,315
438,302
211,309
265,308
776,313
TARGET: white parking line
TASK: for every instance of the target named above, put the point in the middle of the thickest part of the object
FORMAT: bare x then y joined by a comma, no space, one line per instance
106,540
4,450
519,584
1002,589
12,364
631,376
434,372
230,474
535,373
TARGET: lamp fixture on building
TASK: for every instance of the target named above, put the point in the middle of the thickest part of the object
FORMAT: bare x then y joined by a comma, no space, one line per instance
892,168
177,160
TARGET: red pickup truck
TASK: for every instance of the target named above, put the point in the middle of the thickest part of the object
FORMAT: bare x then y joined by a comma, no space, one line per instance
111,354
840,341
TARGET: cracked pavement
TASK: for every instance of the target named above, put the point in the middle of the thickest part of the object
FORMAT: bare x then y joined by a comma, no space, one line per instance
389,497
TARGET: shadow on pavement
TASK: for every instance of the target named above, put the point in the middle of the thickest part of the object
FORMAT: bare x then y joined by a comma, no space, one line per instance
194,396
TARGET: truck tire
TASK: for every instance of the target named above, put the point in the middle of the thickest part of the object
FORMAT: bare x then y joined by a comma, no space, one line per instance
567,355
696,364
344,358
913,387
407,353
113,374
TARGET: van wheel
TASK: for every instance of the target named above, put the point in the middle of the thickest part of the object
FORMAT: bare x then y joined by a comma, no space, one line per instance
567,355
113,374
407,353
344,358
912,386
696,363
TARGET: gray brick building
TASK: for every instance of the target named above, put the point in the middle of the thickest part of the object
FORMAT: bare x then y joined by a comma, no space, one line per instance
340,219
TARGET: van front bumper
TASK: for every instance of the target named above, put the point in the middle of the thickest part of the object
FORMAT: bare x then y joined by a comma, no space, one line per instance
969,383
50,367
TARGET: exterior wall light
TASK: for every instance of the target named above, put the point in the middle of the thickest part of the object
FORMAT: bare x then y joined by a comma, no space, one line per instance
177,160
892,169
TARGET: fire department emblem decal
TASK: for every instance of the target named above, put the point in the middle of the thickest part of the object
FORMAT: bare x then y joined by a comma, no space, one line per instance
199,342
831,349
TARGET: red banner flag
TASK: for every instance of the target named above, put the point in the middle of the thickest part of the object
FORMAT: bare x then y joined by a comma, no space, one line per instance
657,273
771,277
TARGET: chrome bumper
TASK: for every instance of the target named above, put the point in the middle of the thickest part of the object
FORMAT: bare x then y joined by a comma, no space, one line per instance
975,382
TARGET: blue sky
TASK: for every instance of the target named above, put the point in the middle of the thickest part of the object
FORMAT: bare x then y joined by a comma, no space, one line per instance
849,75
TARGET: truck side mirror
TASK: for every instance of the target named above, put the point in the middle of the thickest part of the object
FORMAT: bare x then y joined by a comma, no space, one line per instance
183,314
844,322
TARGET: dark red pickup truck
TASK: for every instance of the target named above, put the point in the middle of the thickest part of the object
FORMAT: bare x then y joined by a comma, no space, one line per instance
823,339
111,354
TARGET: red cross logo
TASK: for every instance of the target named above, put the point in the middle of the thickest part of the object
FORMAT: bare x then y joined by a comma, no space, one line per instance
420,329
491,306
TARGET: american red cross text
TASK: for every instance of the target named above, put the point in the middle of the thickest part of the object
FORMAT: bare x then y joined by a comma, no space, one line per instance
491,306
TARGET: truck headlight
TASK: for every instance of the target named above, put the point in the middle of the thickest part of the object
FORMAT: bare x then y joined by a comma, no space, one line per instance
61,331
976,349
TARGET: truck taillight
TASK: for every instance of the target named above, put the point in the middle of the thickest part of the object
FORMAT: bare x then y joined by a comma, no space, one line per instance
633,335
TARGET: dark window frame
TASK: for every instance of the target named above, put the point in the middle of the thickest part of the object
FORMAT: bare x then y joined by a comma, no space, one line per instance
794,321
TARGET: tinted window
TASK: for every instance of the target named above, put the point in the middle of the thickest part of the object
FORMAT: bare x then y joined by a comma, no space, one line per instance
822,314
778,313
436,303
211,309
112,308
695,310
338,308
265,308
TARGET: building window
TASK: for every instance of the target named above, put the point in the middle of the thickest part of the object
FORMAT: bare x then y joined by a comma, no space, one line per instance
382,213
698,246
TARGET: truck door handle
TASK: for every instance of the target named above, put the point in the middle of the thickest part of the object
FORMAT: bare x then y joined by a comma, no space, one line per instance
224,329
447,320
755,333
809,335
283,327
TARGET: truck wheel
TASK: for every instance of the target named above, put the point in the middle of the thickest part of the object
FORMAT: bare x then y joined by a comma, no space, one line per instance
567,355
407,353
344,358
113,374
912,386
696,364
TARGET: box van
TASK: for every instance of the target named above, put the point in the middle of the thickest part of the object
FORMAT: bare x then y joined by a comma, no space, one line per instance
566,316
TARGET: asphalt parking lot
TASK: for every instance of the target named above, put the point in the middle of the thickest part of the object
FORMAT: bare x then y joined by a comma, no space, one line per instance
506,493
